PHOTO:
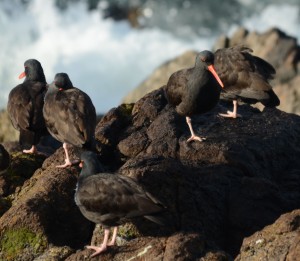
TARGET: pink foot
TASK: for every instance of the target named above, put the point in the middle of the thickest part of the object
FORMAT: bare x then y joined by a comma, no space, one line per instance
31,151
98,250
194,137
111,243
68,163
230,114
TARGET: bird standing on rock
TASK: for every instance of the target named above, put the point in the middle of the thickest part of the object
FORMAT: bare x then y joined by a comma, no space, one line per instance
70,115
245,77
195,90
25,105
111,199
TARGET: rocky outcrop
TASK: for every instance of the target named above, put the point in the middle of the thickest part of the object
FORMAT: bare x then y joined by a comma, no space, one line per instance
279,241
279,49
43,214
217,192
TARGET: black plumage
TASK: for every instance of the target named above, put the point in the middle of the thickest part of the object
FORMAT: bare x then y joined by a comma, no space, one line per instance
246,77
195,90
25,105
111,199
69,114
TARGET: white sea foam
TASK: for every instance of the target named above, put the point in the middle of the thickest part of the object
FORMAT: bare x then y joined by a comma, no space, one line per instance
282,16
104,58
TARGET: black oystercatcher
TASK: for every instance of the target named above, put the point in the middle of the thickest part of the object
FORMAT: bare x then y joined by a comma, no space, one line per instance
245,77
111,199
25,105
70,115
195,90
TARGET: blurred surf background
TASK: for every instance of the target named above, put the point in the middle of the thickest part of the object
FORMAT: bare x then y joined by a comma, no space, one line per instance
109,46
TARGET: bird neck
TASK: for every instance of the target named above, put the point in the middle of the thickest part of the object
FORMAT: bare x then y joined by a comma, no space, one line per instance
198,76
36,76
90,169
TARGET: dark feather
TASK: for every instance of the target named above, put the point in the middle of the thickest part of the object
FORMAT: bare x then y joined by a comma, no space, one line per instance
69,113
194,90
245,76
25,104
112,199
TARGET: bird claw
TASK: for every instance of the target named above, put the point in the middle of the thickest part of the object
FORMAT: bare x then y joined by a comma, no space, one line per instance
98,250
196,138
230,114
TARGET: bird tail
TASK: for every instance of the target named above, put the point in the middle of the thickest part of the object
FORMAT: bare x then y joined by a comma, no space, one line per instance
156,219
273,100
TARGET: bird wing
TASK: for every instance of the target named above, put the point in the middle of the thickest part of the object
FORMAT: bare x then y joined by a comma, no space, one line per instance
176,86
239,69
25,103
73,119
114,198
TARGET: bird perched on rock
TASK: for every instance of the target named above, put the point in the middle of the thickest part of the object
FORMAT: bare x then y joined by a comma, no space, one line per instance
70,115
111,199
25,105
245,77
195,90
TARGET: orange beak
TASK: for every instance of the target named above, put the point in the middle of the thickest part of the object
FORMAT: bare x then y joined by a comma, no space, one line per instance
211,68
22,75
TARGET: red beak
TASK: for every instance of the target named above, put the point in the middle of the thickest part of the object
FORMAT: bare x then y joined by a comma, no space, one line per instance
211,68
22,75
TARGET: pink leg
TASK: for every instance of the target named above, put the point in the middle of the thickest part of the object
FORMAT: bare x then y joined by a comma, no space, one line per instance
193,135
68,162
32,150
103,247
232,114
113,239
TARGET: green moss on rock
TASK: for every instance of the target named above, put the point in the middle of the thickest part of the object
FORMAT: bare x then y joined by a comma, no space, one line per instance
128,231
14,242
25,164
126,109
22,167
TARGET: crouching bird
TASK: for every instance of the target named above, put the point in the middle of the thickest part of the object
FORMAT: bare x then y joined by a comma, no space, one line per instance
246,78
111,199
195,90
70,115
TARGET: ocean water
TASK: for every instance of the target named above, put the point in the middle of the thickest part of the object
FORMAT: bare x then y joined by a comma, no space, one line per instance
107,59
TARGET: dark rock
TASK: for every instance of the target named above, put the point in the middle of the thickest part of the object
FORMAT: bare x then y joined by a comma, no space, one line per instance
222,189
217,192
21,168
4,158
44,212
279,241
191,247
